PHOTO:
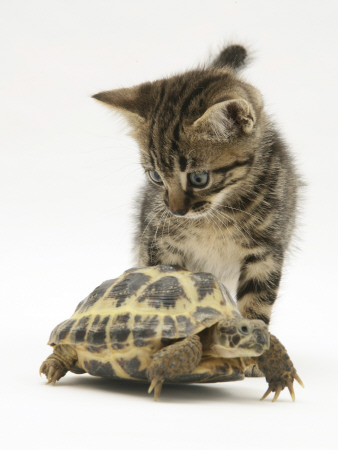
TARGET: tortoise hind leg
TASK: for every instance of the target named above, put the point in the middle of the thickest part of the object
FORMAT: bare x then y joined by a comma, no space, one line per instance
176,359
58,363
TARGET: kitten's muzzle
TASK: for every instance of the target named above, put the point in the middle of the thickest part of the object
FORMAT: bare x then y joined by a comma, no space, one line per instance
177,202
180,212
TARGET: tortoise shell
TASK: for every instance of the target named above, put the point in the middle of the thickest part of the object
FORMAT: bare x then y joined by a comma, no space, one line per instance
117,328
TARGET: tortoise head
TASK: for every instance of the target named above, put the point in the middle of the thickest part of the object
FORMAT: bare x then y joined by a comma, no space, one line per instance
240,337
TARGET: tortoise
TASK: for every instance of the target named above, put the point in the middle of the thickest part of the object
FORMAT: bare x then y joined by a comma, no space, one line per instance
166,324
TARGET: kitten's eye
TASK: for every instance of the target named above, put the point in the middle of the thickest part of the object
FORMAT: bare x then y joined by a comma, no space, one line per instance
155,176
199,179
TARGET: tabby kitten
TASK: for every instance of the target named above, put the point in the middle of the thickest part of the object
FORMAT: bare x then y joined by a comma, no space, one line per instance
222,189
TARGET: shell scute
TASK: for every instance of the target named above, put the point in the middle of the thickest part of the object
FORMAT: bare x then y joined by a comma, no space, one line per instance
61,331
127,287
132,367
119,331
204,283
79,330
207,315
163,293
94,297
184,325
169,330
97,331
145,328
99,368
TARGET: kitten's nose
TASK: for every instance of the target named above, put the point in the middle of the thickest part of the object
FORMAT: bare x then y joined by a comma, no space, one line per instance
177,201
180,212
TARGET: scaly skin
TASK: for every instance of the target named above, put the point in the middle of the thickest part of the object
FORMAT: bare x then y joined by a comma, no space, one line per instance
58,363
278,369
176,359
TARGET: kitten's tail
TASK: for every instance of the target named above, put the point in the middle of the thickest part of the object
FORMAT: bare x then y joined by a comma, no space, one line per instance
234,56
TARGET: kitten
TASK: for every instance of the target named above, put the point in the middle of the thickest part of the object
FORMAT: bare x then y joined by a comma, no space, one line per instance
221,192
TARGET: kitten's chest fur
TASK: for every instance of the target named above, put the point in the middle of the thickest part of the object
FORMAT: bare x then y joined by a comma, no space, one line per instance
205,250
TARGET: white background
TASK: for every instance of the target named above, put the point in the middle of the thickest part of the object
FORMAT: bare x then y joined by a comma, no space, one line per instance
68,178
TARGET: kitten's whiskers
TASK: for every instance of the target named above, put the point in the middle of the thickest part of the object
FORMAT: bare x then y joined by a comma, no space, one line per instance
154,213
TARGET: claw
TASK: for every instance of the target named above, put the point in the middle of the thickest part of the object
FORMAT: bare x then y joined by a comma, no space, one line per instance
50,374
292,392
299,380
157,391
152,385
156,386
279,388
278,391
266,393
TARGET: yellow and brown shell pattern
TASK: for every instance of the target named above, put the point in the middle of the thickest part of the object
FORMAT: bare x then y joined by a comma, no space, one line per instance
117,328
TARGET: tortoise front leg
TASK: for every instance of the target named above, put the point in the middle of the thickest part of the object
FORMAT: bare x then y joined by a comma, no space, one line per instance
278,369
176,359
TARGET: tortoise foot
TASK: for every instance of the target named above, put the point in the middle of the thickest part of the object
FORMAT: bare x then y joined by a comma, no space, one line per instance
286,380
58,363
278,369
53,369
176,359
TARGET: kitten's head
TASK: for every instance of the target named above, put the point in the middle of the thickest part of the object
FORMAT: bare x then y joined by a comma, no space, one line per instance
196,131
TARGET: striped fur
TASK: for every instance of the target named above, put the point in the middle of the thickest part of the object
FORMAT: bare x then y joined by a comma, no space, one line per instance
239,225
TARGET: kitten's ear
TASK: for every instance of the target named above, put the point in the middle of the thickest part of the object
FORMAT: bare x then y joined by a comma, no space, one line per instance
225,119
133,102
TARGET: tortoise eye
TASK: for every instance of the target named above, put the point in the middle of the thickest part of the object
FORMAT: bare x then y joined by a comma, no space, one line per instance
155,176
244,329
